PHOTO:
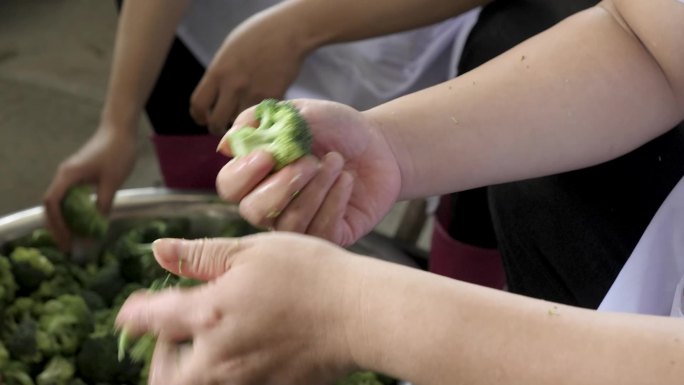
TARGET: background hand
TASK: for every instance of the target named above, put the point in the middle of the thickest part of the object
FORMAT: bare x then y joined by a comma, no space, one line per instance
339,194
105,160
259,59
267,316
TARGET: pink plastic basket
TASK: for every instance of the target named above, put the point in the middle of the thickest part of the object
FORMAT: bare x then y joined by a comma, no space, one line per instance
454,259
189,161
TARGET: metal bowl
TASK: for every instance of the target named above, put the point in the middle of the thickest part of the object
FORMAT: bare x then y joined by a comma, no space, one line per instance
205,211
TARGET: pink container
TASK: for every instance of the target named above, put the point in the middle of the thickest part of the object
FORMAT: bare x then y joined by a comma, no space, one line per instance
454,259
189,161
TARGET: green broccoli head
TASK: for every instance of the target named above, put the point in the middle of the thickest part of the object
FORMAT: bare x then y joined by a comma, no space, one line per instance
21,340
134,249
8,286
282,132
97,362
61,283
365,378
58,371
81,215
19,330
30,267
107,282
15,373
4,357
66,321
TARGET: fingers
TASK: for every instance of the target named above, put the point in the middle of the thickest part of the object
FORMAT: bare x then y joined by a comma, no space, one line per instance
328,222
105,197
290,199
173,364
203,98
265,203
241,175
222,112
171,314
203,259
52,201
301,210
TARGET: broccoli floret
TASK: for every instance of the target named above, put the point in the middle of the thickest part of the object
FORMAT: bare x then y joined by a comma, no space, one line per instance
97,362
21,340
19,330
30,267
15,373
127,290
133,249
365,378
106,282
81,215
76,381
282,132
66,321
8,286
93,300
40,238
4,357
61,283
58,371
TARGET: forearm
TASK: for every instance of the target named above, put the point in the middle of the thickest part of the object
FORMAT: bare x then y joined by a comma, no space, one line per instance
144,35
326,22
433,330
583,92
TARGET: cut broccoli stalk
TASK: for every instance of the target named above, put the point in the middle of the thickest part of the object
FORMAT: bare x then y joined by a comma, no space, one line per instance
81,215
282,132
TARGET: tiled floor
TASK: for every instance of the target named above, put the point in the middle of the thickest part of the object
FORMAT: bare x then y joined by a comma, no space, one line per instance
54,61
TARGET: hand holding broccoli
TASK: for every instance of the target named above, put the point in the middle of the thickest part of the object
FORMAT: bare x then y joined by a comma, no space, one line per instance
105,161
340,193
251,324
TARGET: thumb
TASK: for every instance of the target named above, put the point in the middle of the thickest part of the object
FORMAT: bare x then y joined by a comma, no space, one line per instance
203,259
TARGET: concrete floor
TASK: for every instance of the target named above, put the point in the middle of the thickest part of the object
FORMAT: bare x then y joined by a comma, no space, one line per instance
54,62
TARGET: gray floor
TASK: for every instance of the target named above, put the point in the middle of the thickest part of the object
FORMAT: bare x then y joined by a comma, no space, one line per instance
54,62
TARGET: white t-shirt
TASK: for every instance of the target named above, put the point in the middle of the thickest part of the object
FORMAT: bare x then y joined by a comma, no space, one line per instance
361,74
652,280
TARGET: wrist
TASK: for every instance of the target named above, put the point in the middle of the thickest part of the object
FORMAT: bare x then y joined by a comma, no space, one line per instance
119,120
366,317
310,23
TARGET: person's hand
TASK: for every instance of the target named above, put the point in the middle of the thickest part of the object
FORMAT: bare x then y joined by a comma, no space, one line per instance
339,194
105,160
259,59
274,311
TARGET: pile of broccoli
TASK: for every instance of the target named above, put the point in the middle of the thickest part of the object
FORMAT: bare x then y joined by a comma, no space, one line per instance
282,132
57,314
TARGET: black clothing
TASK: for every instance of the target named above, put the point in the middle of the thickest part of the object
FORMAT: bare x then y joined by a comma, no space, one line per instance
168,107
565,237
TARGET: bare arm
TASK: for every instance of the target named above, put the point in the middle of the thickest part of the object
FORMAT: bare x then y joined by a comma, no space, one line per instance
590,89
325,22
370,314
433,330
144,35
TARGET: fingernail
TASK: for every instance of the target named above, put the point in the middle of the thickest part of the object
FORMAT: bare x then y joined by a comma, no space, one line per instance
166,248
